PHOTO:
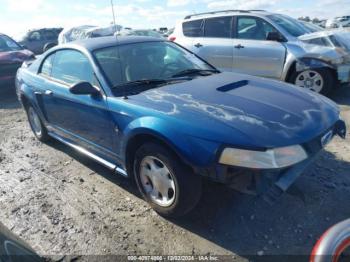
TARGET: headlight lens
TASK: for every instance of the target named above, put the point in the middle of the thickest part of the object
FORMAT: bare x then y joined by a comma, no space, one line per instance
272,158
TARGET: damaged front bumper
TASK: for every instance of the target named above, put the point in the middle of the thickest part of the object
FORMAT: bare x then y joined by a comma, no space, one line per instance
271,184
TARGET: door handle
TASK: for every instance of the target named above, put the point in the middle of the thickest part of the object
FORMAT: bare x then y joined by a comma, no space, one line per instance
198,45
48,93
239,46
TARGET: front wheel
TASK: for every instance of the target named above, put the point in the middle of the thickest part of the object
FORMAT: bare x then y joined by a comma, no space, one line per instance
168,185
320,80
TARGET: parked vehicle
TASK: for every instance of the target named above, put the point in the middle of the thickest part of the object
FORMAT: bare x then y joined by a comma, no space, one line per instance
338,22
40,40
264,44
140,32
151,110
13,249
12,56
75,33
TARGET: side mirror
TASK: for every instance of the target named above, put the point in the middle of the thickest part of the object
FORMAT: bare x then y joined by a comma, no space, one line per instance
274,36
84,88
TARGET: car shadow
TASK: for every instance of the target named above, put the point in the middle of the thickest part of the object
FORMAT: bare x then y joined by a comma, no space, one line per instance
97,168
341,95
246,225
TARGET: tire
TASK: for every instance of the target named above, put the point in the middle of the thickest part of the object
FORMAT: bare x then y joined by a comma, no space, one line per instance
48,46
36,124
183,186
326,76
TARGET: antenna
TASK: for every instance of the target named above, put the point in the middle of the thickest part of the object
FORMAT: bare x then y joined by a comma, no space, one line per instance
115,26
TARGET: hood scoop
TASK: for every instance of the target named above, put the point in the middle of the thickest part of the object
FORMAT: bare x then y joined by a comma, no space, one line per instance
232,86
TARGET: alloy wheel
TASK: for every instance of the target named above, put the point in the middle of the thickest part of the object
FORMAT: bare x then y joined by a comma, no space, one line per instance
157,181
311,80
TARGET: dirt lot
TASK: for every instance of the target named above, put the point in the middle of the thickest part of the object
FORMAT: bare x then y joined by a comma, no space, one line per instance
64,204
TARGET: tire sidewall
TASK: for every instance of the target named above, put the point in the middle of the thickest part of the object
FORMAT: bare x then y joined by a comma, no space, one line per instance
328,79
43,136
179,173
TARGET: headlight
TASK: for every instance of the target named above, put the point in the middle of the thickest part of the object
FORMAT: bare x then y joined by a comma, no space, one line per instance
272,158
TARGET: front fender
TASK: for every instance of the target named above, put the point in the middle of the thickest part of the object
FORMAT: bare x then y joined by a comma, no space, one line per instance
194,151
307,63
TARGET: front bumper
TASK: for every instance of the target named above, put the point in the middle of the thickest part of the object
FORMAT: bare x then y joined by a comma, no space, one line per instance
273,183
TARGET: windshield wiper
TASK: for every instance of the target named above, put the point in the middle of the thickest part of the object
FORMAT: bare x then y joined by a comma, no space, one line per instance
144,82
192,71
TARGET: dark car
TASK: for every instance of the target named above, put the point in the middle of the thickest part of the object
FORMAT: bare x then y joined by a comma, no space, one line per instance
151,110
13,249
12,56
40,40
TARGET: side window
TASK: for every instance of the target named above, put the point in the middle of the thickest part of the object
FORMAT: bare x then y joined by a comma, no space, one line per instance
49,35
71,67
193,28
35,36
220,27
253,28
46,67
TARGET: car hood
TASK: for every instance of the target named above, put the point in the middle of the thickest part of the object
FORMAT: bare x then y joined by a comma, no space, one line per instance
241,109
337,37
15,56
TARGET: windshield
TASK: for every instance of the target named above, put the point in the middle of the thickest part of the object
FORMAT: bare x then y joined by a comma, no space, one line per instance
147,60
291,25
7,44
312,27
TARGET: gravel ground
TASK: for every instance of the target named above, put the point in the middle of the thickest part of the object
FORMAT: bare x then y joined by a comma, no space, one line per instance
62,203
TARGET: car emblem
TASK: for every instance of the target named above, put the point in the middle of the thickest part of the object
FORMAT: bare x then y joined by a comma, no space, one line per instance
327,138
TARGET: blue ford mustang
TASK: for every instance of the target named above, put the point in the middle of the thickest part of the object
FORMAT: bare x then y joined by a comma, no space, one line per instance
151,110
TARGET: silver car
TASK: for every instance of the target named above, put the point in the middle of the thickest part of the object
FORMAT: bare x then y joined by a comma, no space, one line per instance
269,45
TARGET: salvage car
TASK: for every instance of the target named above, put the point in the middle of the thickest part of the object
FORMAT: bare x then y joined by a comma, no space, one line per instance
12,56
264,44
153,111
40,40
70,34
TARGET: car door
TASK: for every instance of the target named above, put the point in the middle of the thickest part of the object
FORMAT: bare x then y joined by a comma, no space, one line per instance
253,54
216,45
192,33
83,118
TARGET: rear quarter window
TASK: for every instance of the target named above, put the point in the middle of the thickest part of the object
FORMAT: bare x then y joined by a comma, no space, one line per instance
193,28
47,65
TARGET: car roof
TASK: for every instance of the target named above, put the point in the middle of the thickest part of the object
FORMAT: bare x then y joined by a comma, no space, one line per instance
92,44
227,12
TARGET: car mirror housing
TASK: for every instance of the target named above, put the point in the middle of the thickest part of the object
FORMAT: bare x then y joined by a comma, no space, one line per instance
274,36
84,88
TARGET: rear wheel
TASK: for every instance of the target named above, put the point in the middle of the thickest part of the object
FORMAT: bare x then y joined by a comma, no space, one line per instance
36,124
168,185
319,80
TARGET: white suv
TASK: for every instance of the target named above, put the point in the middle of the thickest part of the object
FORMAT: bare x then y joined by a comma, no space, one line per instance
265,44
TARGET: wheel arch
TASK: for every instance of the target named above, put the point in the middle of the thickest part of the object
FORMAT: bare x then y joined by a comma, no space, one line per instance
142,136
305,63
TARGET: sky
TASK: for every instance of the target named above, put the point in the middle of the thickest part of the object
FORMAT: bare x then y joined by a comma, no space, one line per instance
18,16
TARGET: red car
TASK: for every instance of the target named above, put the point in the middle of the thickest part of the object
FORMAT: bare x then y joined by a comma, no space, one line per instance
12,55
